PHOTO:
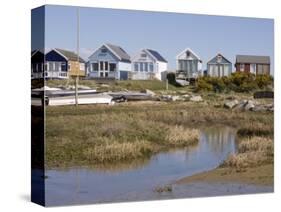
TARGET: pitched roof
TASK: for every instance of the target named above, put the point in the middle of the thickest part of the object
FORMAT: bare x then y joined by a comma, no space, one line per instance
70,55
252,59
192,52
156,55
119,52
215,59
35,51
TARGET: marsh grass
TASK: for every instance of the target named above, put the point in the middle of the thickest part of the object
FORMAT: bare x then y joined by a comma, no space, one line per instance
93,134
253,151
110,138
256,129
180,136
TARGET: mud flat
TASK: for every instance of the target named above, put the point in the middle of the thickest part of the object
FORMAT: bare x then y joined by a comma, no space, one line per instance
261,175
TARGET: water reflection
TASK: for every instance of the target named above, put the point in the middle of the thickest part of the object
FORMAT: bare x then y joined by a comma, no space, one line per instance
136,180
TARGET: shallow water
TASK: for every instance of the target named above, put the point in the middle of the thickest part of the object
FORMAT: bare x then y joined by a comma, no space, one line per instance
136,181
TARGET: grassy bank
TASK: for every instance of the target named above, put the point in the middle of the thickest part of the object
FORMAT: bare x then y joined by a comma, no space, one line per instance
95,134
253,163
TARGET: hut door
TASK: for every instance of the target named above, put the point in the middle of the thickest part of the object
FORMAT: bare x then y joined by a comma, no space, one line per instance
247,67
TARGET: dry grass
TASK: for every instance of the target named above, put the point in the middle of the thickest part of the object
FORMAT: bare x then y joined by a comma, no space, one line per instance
93,134
254,128
252,152
92,139
180,136
112,151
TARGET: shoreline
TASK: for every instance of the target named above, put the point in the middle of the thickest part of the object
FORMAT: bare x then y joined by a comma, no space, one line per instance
259,175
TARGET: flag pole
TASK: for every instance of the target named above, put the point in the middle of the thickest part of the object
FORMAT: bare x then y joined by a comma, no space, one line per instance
78,61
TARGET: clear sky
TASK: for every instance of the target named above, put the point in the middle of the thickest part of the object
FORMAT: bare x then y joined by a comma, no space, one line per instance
168,33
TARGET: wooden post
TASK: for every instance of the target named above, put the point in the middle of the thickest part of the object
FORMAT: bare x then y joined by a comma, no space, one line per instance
76,91
167,84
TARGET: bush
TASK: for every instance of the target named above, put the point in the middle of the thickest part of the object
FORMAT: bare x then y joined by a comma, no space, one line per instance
263,81
202,84
238,81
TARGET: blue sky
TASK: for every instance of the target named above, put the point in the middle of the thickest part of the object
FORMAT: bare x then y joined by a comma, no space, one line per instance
168,33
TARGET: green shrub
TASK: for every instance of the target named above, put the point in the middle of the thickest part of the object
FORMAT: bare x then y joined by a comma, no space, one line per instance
237,81
263,81
203,84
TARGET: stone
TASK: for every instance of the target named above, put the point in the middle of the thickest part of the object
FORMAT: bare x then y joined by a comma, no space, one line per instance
176,98
186,96
250,105
147,91
231,104
166,98
196,99
259,108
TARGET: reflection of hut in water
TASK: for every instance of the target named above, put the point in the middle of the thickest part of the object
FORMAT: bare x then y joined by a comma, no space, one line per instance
218,138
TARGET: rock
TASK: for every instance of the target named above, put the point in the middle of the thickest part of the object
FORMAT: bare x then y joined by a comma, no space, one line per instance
70,87
176,98
259,108
147,91
186,96
196,99
240,106
166,98
269,107
231,104
250,105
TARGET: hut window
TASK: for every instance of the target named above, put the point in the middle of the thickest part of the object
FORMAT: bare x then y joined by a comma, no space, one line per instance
143,55
136,66
95,66
63,66
146,67
253,68
82,66
226,70
151,67
242,67
188,54
141,66
56,66
266,69
112,67
103,50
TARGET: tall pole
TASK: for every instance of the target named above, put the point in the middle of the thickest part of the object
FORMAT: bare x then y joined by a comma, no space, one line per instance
78,61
